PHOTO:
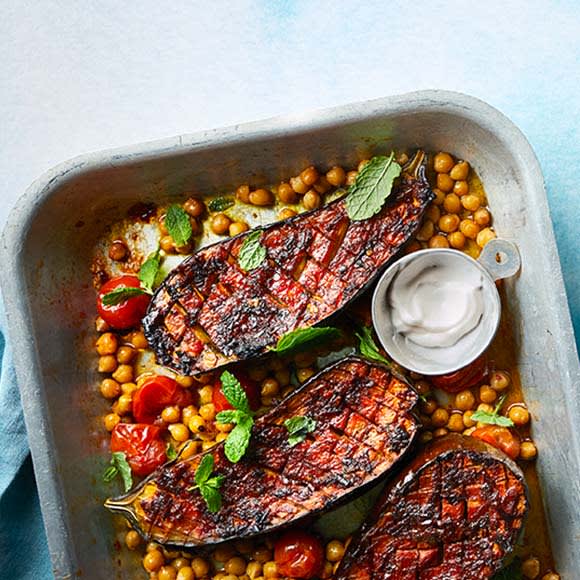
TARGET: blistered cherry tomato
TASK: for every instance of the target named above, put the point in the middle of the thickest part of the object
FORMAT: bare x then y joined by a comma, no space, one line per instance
128,313
298,555
142,445
464,378
500,437
154,395
250,387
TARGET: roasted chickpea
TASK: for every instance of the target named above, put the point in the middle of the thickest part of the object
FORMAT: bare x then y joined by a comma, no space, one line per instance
519,414
461,188
528,450
223,553
439,197
166,244
334,551
126,354
298,185
123,374
194,207
433,213
336,176
470,202
440,417
124,404
243,193
107,364
235,565
286,193
309,176
179,432
205,394
460,170
441,432
469,228
448,223
118,251
132,539
286,213
422,387
261,197
153,560
482,217
452,203
270,387
443,162
171,414
485,236
464,400
487,394
185,573
197,424
110,389
456,240
188,449
107,343
426,231
220,223
270,569
351,177
444,182
111,421
207,412
499,381
551,576
322,185
138,340
426,436
438,241
187,413
262,555
455,423
167,573
468,422
311,199
238,228
200,567
304,374
531,568
429,406
254,569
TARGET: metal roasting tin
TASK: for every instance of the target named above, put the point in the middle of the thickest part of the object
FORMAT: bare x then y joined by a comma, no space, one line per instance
49,241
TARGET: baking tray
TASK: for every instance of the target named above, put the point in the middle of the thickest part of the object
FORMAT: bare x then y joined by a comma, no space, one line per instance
51,234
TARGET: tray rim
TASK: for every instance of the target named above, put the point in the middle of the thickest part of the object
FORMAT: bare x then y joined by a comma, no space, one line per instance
13,286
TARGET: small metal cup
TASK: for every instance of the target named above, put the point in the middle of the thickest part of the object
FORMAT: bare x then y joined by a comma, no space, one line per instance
499,259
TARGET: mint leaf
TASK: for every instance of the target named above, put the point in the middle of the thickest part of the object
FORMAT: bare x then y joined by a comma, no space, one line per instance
234,393
229,416
493,418
368,347
252,253
208,486
239,438
298,427
119,466
149,270
303,337
372,187
178,225
204,469
119,295
220,203
171,452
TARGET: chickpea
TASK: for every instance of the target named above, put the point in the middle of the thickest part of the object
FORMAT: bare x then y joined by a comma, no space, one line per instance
138,340
223,553
334,551
551,576
207,412
243,193
455,423
443,162
461,188
261,197
197,424
519,414
441,432
283,376
500,381
470,202
132,539
438,241
220,223
304,374
469,431
452,203
123,374
179,432
286,193
262,555
235,565
107,364
351,177
185,573
482,217
188,449
118,251
184,381
171,414
433,213
311,199
110,389
485,407
468,422
429,406
244,546
107,343
422,387
298,185
309,176
167,573
469,228
439,197
187,413
270,387
322,185
426,436
167,245
336,176
124,404
444,182
270,570
180,562
464,400
286,213
456,240
485,236
448,223
439,417
487,394
126,354
194,207
238,228
528,450
531,567
111,421
153,560
206,394
254,569
426,231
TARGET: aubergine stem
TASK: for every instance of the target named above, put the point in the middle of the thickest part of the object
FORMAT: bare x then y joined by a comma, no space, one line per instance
414,164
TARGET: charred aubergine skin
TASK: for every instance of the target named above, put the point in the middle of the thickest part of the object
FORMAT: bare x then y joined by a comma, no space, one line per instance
453,514
209,312
364,425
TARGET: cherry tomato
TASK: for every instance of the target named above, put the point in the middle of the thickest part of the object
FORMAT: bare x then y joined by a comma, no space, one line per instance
464,378
127,313
154,395
250,387
298,555
142,444
500,437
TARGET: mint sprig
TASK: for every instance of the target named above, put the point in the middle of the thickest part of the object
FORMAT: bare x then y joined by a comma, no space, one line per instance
123,294
208,486
493,418
368,347
119,467
252,253
149,270
304,337
298,428
178,225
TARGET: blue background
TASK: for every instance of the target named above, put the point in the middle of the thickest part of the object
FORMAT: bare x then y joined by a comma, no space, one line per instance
83,76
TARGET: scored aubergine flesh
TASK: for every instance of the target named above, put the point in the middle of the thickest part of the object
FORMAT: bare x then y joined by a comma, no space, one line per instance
454,513
364,425
209,312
